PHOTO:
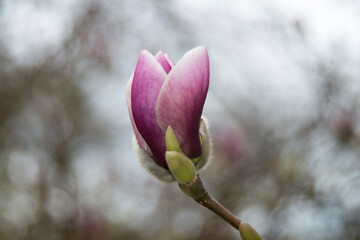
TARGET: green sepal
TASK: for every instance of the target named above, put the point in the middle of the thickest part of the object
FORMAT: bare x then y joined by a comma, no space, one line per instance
171,141
173,145
181,167
248,233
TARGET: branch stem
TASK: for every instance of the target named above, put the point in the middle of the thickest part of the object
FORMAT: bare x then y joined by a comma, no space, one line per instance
208,201
198,192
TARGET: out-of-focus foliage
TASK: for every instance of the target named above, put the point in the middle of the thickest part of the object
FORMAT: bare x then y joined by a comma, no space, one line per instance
283,108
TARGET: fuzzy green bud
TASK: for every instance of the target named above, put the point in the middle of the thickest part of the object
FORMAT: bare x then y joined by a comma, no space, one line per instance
181,167
248,233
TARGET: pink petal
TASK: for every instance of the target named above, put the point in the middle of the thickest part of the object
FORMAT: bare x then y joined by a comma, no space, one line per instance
160,57
147,81
182,98
138,136
170,61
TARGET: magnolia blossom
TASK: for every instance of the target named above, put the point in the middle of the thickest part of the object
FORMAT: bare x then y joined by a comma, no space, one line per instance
161,94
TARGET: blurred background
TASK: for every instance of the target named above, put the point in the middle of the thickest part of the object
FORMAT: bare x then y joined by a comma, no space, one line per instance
283,108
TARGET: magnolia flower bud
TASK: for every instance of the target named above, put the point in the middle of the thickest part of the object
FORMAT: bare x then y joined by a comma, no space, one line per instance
160,96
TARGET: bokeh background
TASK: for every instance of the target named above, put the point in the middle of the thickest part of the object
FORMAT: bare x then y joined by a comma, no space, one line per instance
283,108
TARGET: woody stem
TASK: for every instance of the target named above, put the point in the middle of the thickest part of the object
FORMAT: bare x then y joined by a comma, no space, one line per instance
198,192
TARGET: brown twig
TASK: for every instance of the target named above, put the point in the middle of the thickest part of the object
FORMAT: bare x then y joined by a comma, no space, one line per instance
198,192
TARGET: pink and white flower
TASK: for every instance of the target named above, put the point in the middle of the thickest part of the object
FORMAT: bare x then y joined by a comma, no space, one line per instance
161,93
